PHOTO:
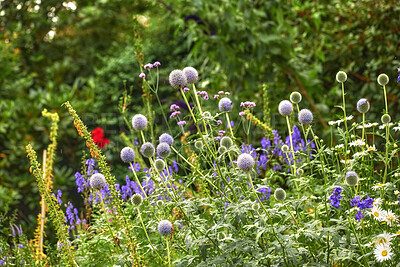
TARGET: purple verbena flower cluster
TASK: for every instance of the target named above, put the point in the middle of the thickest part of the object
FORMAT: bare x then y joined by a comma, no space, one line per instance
204,94
247,104
335,197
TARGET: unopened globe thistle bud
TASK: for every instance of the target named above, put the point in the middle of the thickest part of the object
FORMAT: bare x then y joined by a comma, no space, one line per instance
166,138
383,79
285,108
159,203
165,227
191,74
226,141
245,162
160,164
295,97
198,145
163,150
97,181
147,150
285,149
255,206
300,172
386,118
221,150
305,116
139,122
341,77
137,199
280,194
363,105
127,155
177,79
351,178
225,105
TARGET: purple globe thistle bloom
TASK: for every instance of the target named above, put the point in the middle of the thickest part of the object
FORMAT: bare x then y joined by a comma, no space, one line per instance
147,150
139,122
148,66
285,108
166,138
225,105
335,197
127,155
245,162
142,75
165,227
177,79
363,105
163,150
181,123
156,64
97,181
305,116
191,74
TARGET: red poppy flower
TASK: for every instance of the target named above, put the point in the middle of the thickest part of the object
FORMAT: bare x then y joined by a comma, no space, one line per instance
98,138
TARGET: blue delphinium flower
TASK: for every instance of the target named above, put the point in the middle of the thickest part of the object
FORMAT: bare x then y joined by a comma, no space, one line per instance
335,197
266,193
367,203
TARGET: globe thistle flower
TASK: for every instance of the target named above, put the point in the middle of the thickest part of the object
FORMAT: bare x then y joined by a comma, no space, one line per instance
137,199
305,116
245,162
160,164
165,227
127,155
226,141
221,150
386,118
295,97
225,105
341,77
147,150
177,79
363,105
198,145
139,122
166,138
351,178
383,79
159,203
97,181
255,206
300,172
163,150
285,149
280,194
285,108
191,74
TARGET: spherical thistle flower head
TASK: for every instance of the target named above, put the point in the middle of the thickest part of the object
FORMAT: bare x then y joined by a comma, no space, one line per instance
147,150
177,79
198,145
245,162
341,77
255,206
383,79
159,203
386,118
163,150
221,150
127,154
137,199
351,178
280,194
295,97
97,181
225,105
305,116
300,172
285,149
226,141
191,74
160,164
363,105
166,138
165,227
139,122
285,108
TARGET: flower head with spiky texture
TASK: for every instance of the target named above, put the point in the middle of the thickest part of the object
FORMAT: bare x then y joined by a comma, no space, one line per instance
163,150
295,97
166,138
160,164
165,227
177,79
191,74
225,105
363,105
285,108
226,141
139,122
386,118
341,77
97,181
305,116
351,178
199,145
383,79
280,194
245,162
127,154
137,199
147,150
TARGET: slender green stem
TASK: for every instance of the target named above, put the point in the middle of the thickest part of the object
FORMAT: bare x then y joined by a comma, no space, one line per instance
145,231
320,156
137,180
294,171
345,124
188,105
199,106
358,240
363,129
384,92
108,222
169,257
229,124
386,153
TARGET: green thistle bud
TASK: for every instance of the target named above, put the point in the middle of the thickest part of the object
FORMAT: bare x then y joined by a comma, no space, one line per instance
341,77
285,149
280,194
351,178
386,118
137,199
221,150
226,141
295,97
383,79
160,164
300,172
198,145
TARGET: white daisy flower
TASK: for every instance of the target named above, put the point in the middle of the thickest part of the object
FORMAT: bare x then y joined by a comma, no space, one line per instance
396,192
390,217
359,154
357,142
331,122
377,213
384,239
348,161
378,201
339,146
396,128
384,125
371,148
383,252
380,186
